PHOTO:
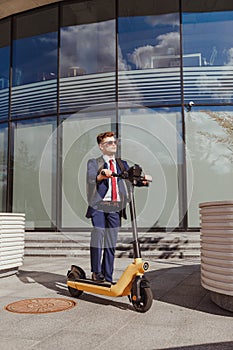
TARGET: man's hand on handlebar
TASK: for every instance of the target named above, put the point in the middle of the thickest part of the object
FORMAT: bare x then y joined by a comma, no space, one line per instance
104,174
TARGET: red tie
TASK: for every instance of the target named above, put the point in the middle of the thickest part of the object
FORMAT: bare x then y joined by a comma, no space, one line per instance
114,186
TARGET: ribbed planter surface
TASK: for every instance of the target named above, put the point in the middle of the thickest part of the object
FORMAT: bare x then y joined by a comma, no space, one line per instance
217,251
12,227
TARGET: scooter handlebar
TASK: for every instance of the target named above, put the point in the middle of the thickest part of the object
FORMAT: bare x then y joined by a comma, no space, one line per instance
125,175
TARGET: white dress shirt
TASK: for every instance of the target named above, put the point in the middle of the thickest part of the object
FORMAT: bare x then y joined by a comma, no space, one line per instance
108,196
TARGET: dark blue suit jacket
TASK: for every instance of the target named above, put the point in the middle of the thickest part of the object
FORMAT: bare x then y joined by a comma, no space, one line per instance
99,189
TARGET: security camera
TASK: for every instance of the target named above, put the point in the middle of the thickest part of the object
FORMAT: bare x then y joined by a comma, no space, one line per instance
190,105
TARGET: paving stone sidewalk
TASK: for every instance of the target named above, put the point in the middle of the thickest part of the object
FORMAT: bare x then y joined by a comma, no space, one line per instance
182,316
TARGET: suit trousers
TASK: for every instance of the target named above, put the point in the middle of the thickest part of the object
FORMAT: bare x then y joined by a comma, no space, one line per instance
103,242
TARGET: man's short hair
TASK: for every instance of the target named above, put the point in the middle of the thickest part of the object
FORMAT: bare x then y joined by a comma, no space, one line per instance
103,135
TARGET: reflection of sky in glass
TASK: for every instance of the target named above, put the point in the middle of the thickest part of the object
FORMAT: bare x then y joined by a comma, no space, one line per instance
4,66
209,34
88,46
4,81
144,36
35,59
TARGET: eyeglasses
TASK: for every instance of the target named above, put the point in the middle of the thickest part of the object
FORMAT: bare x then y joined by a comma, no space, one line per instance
110,143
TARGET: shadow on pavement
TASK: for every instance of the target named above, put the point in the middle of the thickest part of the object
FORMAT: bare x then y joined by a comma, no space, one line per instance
57,283
181,285
208,346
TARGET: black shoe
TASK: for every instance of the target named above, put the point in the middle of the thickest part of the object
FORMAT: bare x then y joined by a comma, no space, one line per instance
98,277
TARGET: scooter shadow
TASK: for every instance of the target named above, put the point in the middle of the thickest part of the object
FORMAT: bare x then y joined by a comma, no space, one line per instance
57,283
178,285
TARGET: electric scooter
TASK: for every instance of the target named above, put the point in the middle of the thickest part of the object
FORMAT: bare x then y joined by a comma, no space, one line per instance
132,282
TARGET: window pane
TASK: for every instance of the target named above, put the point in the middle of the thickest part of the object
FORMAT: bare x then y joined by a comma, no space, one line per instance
210,147
87,58
79,145
3,165
35,63
4,68
149,51
208,51
31,177
151,138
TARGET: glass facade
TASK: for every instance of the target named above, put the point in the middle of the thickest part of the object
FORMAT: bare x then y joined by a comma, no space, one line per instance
210,144
34,63
87,54
4,67
76,68
159,153
149,52
3,165
208,52
79,144
34,171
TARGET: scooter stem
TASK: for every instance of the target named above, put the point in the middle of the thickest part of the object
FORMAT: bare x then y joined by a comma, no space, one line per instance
136,245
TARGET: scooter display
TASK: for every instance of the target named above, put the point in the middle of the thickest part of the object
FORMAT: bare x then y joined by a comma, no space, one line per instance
132,282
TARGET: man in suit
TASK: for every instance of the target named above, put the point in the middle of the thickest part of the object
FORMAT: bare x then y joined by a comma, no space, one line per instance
107,196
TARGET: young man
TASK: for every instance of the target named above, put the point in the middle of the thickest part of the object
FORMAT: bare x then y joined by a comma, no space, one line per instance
107,198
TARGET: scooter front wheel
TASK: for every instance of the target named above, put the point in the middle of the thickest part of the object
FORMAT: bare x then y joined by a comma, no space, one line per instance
75,273
146,300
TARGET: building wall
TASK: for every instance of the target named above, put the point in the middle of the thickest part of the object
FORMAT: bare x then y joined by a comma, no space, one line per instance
76,68
11,7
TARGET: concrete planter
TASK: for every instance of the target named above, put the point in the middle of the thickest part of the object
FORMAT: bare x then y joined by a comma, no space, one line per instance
217,251
12,227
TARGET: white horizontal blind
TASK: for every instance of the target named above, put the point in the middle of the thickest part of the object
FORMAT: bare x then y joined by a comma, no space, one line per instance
12,227
155,86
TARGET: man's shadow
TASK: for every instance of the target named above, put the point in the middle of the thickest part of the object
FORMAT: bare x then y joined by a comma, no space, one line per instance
57,283
178,285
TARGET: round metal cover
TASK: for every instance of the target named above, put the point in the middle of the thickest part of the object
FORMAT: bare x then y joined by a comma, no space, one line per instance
40,305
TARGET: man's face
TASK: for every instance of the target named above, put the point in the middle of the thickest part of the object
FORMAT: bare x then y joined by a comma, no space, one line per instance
108,146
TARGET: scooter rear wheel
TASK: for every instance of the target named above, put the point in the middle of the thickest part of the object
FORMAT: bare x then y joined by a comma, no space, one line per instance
146,300
74,274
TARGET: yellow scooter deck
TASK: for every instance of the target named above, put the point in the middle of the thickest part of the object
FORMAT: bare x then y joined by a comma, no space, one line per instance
121,288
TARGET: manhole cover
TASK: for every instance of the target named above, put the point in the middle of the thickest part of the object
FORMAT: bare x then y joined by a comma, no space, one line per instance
40,305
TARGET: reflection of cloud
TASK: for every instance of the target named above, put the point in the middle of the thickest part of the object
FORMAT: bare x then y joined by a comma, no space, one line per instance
90,46
168,44
122,63
230,57
171,18
141,56
48,39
